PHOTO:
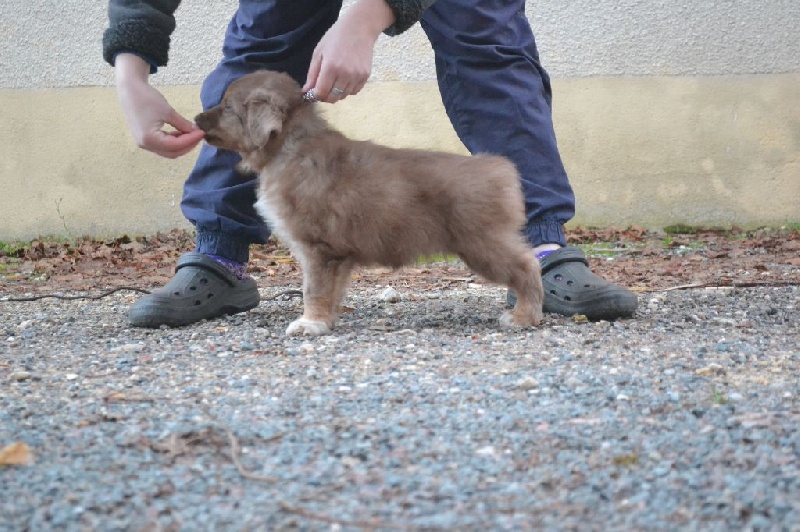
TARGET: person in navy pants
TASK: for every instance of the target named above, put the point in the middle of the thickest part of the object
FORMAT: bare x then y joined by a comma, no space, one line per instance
493,86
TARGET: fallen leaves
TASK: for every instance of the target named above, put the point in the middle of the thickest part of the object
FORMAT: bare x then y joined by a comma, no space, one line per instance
133,397
646,260
712,369
16,454
79,264
626,460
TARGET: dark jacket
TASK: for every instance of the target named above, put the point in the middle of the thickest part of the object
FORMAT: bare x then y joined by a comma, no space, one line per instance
144,26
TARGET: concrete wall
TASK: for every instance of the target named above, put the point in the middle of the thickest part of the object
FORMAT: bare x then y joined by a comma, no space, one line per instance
666,112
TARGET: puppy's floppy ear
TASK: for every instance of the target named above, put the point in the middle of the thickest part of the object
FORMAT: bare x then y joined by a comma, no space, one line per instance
266,113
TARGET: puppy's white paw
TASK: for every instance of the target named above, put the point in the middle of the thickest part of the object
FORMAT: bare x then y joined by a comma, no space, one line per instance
508,320
306,327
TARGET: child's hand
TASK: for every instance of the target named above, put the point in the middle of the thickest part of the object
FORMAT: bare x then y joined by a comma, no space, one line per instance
147,112
342,61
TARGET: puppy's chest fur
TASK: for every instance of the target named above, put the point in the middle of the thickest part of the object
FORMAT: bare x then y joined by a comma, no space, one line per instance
272,205
293,190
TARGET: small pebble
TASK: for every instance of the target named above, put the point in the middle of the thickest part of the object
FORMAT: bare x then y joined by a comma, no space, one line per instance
20,376
390,295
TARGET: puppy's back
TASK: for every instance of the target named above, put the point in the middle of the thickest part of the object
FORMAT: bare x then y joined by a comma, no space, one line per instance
390,206
462,190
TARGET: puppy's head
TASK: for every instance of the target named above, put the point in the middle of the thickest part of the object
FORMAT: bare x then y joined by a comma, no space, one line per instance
252,112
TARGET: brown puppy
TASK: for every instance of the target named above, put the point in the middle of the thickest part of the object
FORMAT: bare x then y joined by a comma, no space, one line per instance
338,203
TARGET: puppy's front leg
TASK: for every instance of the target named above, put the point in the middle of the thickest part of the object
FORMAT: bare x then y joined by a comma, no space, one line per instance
319,287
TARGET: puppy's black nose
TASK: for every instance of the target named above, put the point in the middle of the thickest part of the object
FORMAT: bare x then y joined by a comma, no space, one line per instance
204,121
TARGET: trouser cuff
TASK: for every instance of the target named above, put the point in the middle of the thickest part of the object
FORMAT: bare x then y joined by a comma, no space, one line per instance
223,245
546,232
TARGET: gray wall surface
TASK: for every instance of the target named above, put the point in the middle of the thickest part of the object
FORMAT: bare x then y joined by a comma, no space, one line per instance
57,44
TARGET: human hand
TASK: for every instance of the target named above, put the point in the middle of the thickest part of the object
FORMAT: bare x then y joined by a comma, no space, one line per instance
147,112
342,61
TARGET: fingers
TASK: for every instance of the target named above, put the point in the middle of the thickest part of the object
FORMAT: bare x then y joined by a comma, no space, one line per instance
173,144
325,91
358,86
313,70
335,84
181,144
180,123
322,88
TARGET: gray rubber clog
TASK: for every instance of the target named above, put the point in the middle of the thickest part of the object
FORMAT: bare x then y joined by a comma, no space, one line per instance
571,288
201,289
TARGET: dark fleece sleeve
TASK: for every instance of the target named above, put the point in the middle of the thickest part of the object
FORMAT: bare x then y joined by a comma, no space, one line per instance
406,13
140,26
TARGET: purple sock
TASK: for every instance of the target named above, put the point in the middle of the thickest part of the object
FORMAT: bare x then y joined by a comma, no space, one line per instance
543,254
236,268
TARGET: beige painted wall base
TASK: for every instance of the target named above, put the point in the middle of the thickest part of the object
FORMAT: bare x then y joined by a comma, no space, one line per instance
640,151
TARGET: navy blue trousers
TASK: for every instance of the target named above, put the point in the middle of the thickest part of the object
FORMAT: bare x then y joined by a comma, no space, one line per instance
494,89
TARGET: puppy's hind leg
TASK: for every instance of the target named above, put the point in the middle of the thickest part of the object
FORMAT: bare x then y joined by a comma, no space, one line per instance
508,260
525,279
320,276
341,279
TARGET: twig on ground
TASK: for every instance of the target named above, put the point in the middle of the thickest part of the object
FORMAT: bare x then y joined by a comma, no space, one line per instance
319,495
234,442
299,293
72,298
177,444
724,284
119,397
293,293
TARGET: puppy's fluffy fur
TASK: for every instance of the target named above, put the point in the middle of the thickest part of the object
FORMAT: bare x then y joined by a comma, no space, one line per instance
339,203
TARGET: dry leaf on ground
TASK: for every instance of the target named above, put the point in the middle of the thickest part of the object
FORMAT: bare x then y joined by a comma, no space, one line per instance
16,454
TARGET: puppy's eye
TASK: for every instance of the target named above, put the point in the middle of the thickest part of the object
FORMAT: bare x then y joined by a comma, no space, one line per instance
228,107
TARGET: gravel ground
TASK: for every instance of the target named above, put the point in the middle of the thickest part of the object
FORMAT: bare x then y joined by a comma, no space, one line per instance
420,414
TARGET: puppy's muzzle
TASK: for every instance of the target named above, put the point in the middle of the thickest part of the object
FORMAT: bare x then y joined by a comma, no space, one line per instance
206,121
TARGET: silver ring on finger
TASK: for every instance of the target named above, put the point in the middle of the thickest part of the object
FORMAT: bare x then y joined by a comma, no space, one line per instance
337,92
